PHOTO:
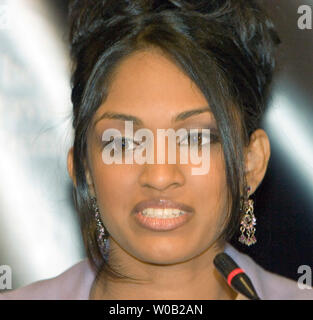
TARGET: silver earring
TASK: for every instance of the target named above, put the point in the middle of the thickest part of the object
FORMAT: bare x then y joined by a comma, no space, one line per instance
248,222
101,232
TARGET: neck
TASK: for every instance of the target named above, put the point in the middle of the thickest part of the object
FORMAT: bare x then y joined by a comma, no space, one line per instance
195,279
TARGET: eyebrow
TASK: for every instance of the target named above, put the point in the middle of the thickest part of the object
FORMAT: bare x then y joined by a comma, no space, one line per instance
187,114
138,122
119,116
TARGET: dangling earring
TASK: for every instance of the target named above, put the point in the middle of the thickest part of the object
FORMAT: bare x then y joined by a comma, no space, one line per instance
101,232
248,222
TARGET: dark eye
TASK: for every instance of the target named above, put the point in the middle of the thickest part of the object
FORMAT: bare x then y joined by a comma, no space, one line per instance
121,144
200,139
125,144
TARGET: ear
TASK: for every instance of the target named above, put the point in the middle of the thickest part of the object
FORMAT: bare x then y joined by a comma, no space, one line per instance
256,158
89,180
70,166
70,169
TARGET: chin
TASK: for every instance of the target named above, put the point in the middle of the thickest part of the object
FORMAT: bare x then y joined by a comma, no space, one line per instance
165,260
165,254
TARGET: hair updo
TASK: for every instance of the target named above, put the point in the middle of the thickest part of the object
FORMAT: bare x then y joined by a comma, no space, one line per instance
225,46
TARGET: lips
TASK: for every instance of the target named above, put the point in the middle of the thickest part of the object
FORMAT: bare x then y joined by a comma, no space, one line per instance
161,204
158,223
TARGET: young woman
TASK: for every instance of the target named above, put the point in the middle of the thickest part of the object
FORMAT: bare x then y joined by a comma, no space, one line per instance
152,230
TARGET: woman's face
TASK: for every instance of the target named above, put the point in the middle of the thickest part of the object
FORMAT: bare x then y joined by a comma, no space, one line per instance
151,88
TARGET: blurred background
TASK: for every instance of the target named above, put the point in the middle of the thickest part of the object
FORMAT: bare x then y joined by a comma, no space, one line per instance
39,231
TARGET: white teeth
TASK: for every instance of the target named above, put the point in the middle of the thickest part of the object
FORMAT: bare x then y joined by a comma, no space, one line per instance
162,213
158,212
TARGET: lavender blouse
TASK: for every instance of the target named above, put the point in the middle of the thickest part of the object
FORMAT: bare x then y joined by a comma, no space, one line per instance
76,282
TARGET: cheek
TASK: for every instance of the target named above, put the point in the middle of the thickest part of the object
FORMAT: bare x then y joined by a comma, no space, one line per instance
113,184
210,190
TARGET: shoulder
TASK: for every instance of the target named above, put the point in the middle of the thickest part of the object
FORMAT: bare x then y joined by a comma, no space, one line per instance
270,286
73,284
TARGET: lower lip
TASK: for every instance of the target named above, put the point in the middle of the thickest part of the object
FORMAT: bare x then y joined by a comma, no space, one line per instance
162,224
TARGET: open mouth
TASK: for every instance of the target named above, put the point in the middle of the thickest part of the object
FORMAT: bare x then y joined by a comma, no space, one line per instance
162,215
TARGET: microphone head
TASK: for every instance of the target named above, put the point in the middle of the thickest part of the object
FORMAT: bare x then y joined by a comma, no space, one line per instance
234,275
224,264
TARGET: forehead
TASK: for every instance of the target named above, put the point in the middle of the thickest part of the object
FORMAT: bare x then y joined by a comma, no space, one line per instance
150,86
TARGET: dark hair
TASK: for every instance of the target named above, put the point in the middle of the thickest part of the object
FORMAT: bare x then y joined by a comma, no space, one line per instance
225,46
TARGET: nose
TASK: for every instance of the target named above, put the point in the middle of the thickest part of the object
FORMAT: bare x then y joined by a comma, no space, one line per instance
161,177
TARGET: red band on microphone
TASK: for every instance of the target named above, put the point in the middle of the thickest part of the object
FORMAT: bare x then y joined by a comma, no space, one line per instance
233,274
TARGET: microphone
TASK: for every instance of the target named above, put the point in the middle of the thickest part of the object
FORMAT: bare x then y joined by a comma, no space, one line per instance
235,276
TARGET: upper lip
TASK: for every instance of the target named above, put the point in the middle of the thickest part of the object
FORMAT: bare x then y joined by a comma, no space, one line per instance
161,204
